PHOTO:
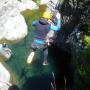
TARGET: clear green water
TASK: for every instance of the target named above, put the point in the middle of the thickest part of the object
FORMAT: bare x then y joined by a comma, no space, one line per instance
17,65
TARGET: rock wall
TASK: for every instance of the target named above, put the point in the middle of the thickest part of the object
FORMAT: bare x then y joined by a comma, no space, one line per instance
27,4
12,24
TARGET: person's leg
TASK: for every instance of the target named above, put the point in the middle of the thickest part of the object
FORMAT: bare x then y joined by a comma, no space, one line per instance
45,56
30,57
32,53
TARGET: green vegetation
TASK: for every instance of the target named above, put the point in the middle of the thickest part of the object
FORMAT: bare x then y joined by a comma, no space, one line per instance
86,21
84,67
62,1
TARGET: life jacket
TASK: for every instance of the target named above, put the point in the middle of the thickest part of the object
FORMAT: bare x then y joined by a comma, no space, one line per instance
41,29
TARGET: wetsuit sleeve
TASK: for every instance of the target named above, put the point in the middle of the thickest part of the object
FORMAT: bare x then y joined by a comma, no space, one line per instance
57,26
34,23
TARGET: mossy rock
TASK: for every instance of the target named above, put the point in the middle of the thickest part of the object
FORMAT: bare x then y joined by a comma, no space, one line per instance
2,58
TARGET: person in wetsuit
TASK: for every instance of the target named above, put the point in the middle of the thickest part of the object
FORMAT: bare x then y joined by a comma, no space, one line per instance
42,34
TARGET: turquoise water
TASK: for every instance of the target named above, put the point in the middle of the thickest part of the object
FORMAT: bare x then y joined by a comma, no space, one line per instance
18,66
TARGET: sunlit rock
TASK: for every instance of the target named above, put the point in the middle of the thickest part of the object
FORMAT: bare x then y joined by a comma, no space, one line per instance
44,1
30,4
17,30
50,4
27,4
4,78
47,1
12,24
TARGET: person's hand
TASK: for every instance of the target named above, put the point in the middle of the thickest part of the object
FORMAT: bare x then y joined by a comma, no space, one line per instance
58,16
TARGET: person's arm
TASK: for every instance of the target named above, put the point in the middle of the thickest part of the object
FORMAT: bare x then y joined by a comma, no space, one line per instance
34,23
56,27
58,23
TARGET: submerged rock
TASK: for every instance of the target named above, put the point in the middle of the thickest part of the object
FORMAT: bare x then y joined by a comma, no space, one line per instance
12,24
5,52
13,87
